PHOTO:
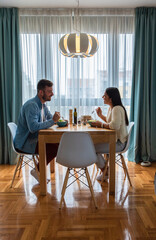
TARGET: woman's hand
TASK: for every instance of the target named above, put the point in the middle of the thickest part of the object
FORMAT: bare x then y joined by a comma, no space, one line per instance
96,124
99,111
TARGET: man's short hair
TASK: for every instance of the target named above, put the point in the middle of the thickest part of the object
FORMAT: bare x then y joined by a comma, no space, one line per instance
43,83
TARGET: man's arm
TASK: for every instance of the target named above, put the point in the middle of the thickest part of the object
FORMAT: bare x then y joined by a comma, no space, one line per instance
48,114
32,115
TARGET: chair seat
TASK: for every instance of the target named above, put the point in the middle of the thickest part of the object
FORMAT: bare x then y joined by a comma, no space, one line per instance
76,150
21,155
120,158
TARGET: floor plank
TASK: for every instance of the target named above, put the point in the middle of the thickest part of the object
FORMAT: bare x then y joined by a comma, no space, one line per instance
130,214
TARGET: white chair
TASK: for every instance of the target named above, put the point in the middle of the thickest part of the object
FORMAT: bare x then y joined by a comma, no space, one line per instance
76,150
23,158
120,158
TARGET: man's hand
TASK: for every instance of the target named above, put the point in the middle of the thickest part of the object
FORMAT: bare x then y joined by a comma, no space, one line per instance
66,121
99,111
56,116
96,124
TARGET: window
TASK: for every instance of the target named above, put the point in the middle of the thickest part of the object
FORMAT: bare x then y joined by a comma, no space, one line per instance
79,83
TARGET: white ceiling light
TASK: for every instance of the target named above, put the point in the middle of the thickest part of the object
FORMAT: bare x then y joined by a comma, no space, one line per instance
76,45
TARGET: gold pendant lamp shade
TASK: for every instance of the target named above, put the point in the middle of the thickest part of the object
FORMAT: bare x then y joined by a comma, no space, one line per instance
76,45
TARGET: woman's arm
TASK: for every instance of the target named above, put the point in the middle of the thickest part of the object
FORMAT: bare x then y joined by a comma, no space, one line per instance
116,119
99,113
115,122
106,125
100,124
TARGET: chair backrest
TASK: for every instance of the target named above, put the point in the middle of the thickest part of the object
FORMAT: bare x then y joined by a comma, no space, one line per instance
12,127
130,126
76,150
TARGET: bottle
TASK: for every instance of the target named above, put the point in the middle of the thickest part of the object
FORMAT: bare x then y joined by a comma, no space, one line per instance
75,116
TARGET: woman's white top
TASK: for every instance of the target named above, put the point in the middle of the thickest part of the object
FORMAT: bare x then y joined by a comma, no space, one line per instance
116,119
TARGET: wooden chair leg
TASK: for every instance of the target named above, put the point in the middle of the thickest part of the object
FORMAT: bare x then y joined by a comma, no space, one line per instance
64,187
106,168
52,166
16,169
97,169
77,180
20,166
94,176
123,165
90,186
34,160
125,169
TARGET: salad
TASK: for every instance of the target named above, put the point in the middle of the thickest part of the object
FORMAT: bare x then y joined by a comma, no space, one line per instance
61,120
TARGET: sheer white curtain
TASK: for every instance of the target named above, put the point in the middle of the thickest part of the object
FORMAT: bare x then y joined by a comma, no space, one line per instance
77,82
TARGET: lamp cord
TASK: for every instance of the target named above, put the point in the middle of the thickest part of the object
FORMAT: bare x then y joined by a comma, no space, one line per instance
78,4
75,19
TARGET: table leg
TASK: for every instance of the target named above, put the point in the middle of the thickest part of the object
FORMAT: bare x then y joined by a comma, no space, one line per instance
112,146
42,166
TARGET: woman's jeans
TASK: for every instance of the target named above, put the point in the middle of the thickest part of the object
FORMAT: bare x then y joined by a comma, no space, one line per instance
103,148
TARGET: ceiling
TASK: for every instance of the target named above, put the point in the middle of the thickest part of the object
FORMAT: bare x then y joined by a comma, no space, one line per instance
74,3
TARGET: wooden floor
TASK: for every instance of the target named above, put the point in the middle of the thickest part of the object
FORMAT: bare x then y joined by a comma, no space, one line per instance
131,214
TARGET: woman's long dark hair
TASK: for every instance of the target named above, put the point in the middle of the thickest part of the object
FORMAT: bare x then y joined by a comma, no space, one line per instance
114,94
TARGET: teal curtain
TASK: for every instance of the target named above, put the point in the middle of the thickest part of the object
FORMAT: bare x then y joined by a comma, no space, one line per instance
143,101
10,79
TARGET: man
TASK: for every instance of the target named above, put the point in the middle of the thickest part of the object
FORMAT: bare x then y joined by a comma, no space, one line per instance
33,117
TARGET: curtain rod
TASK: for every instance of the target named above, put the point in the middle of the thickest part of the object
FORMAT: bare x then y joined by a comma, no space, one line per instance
95,12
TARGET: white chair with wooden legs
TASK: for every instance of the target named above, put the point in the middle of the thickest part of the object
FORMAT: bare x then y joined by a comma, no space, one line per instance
23,158
76,152
120,158
95,168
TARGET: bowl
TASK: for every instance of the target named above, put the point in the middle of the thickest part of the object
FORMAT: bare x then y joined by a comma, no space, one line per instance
90,122
62,123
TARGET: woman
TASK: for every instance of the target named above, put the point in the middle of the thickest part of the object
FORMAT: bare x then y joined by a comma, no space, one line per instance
116,119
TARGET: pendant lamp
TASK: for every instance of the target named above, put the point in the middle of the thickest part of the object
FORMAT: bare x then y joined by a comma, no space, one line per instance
76,45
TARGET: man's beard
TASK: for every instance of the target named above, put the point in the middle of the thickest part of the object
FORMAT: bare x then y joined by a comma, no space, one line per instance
45,98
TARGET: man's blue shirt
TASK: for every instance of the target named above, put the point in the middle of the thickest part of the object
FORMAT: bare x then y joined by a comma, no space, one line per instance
29,123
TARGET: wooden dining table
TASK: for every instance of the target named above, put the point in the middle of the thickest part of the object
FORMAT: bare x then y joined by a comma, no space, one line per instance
98,135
